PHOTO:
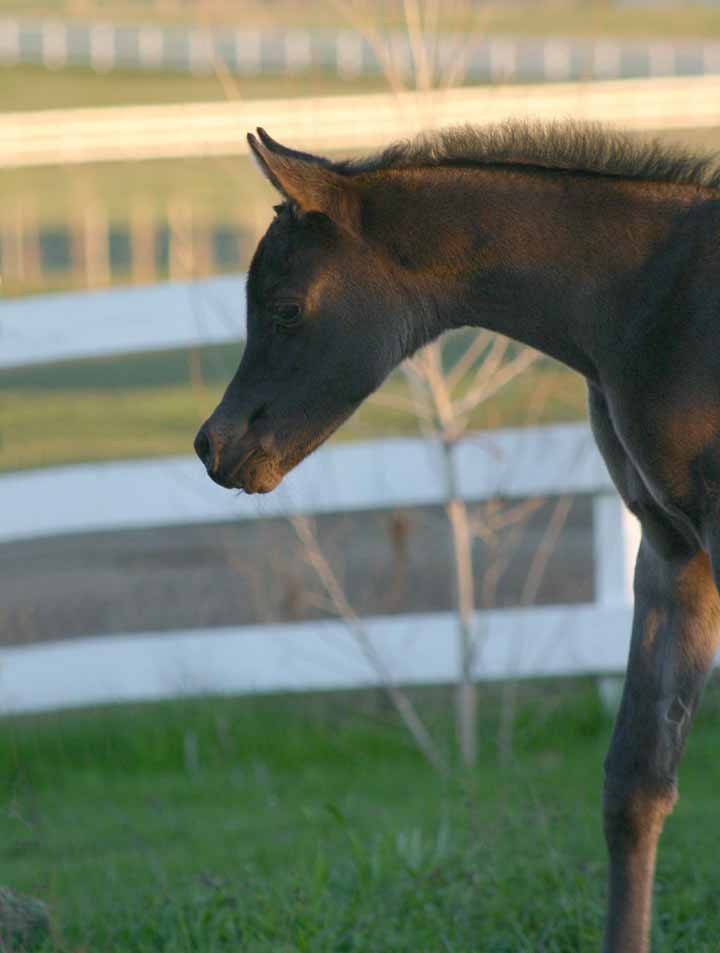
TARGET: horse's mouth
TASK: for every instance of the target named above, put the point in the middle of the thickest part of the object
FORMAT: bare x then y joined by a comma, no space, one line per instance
255,473
261,460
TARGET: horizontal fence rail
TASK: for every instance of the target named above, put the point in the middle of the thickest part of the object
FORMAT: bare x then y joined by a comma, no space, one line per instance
343,122
47,328
416,649
380,474
94,497
105,46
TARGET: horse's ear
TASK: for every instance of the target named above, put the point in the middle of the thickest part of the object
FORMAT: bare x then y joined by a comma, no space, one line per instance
307,180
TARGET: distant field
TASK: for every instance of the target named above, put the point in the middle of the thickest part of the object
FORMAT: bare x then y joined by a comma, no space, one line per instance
569,17
226,189
146,406
311,825
212,192
34,87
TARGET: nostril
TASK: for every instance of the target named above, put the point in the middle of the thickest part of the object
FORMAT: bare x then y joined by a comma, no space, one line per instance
202,447
257,414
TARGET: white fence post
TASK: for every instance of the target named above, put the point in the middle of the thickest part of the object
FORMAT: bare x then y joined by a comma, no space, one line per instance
102,47
349,53
616,535
9,42
556,60
151,46
54,44
606,60
616,538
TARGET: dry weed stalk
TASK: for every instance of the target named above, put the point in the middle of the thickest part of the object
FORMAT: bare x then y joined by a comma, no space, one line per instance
340,604
446,394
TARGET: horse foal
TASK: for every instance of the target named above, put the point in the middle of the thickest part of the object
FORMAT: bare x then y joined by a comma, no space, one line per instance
597,251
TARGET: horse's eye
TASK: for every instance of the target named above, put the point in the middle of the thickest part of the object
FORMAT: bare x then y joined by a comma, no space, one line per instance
287,315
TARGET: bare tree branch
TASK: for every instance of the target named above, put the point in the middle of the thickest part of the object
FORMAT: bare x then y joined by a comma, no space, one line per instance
405,404
342,607
443,400
364,25
484,389
464,364
545,550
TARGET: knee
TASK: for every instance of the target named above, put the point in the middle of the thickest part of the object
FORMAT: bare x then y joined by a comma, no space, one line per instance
641,771
633,811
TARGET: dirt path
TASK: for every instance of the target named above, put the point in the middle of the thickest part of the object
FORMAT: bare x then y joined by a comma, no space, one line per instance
244,573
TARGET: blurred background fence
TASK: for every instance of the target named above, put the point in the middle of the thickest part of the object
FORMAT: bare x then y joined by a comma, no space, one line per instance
104,46
345,122
103,241
381,475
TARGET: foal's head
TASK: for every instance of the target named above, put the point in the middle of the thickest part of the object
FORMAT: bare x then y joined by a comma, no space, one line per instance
327,319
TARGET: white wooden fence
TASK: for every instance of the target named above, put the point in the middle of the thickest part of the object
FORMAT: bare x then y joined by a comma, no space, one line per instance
104,45
310,655
344,122
58,327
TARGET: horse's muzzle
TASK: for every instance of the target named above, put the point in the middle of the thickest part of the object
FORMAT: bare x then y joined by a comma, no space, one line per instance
234,463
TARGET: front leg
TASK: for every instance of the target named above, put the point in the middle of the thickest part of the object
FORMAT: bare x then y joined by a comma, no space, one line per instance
674,640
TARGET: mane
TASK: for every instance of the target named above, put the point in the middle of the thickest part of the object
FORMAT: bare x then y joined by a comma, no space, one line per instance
566,146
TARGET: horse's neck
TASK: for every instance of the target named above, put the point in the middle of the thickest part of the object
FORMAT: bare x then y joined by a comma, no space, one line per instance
547,259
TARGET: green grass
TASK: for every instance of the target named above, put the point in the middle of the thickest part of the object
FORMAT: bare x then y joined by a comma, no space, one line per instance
311,824
224,190
145,405
215,192
35,87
